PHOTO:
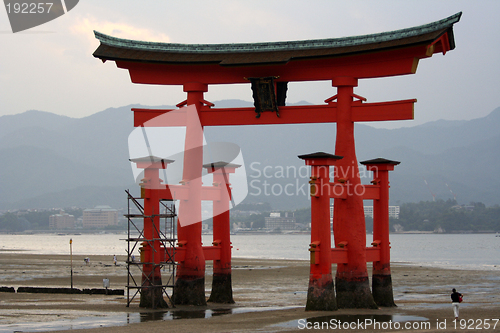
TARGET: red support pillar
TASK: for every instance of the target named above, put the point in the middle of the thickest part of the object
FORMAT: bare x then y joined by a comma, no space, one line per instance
190,282
222,290
351,281
381,277
320,292
151,286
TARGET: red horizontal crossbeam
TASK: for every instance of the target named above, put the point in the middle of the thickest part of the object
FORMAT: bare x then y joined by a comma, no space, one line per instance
339,255
384,111
288,115
371,192
151,118
210,253
302,114
180,254
372,254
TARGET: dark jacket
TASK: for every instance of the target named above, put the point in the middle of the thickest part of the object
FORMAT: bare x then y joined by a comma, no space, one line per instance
455,297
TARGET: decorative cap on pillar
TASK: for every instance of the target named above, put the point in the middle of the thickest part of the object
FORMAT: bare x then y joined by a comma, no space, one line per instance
380,164
151,162
195,86
228,167
320,158
341,81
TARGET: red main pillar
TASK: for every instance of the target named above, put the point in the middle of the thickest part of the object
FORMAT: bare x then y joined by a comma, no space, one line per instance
190,282
320,292
222,290
381,276
351,282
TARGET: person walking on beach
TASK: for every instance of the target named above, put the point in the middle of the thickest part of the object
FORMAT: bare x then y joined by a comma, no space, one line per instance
114,259
456,299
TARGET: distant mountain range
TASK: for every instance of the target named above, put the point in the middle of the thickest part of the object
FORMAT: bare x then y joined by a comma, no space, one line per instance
49,161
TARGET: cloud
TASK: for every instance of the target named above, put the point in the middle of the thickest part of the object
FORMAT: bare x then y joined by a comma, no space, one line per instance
86,26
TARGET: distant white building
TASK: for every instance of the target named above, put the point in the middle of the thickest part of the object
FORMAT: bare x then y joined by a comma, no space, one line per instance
61,221
393,212
99,217
275,221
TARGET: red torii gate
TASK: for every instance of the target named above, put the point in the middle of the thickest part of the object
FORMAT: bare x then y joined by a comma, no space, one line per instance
343,61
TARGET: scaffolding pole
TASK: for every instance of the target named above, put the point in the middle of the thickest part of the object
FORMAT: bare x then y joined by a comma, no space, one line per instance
135,241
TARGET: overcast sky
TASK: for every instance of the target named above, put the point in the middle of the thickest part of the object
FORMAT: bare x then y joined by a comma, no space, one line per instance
51,67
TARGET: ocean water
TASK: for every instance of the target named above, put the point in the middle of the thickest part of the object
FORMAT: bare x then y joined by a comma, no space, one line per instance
464,251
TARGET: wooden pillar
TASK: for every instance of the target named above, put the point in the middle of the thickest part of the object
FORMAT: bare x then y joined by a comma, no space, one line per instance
190,282
222,290
381,276
320,292
351,281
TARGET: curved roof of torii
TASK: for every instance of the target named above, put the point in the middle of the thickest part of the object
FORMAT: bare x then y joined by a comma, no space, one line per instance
239,54
368,56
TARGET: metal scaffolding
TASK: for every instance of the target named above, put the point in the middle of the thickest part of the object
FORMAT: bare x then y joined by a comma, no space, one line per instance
136,240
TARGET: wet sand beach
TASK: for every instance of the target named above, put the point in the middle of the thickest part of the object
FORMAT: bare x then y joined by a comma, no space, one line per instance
270,296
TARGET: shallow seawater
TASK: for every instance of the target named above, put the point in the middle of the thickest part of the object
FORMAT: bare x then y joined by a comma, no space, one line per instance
477,251
94,320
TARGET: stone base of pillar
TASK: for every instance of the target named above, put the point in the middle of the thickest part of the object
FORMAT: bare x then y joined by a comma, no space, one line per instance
321,295
152,295
222,290
382,290
189,291
354,293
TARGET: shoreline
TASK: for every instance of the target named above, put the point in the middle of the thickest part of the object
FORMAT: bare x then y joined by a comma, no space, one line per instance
409,264
270,296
